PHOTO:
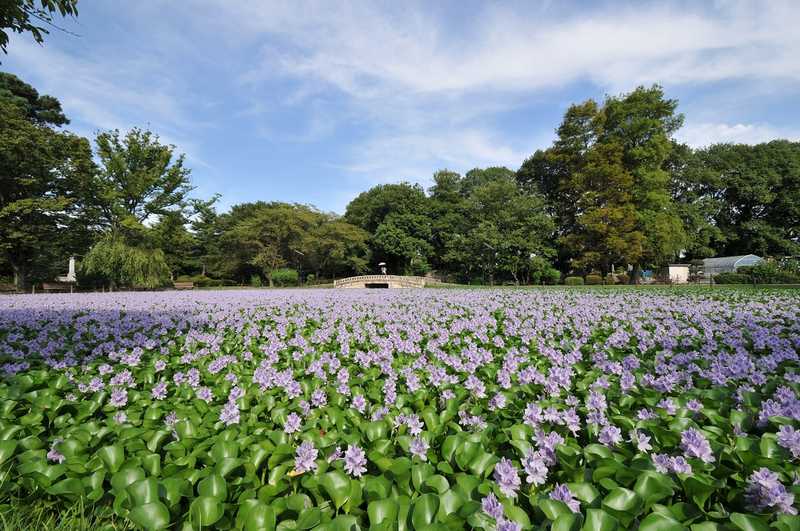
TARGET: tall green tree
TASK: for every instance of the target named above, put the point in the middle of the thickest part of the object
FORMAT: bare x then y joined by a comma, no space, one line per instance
756,192
606,183
45,176
32,16
140,183
396,215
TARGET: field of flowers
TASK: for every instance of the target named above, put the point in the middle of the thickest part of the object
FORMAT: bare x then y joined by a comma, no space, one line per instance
421,409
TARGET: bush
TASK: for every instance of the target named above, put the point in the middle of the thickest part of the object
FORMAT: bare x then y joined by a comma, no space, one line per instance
594,280
255,281
732,278
573,281
623,278
551,276
285,277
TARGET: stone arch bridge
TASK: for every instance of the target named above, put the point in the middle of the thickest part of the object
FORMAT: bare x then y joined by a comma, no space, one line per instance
380,281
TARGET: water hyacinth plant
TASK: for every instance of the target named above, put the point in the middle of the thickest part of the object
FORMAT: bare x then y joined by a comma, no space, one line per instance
428,409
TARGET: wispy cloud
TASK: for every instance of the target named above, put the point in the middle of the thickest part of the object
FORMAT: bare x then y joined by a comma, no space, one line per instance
704,134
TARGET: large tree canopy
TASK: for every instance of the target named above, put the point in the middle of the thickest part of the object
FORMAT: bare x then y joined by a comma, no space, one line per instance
45,175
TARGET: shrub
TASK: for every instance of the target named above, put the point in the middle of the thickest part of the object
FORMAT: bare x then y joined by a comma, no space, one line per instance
285,277
732,278
594,280
573,281
551,276
255,281
623,278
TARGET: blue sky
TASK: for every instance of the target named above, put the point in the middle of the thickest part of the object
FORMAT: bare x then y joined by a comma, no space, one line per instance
314,102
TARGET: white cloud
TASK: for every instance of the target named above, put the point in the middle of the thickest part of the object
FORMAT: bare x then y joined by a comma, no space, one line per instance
704,134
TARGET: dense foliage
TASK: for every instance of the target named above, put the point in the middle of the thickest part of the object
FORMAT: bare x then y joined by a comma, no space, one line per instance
412,410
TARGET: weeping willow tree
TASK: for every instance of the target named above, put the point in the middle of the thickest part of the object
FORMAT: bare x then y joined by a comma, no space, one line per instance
122,265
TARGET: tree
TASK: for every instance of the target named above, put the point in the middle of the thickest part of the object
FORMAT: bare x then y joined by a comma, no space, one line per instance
207,232
139,183
39,109
396,215
336,247
755,193
178,244
607,166
22,16
112,260
509,230
45,176
140,180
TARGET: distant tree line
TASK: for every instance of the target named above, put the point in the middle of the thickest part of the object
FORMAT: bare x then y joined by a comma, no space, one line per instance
614,189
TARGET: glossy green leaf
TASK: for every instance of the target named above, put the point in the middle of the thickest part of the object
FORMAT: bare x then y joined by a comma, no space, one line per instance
149,516
660,522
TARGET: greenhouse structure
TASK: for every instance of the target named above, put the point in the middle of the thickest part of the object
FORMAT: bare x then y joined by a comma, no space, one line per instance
728,264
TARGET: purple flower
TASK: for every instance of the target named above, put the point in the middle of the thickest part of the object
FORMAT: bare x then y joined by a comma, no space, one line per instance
694,444
508,525
355,461
419,448
359,403
535,467
305,457
679,465
229,413
610,435
507,477
205,394
336,454
119,397
491,506
54,454
641,441
562,493
765,492
662,463
789,438
318,398
159,391
292,424
120,417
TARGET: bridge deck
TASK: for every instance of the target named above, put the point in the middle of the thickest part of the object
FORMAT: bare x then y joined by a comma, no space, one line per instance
387,281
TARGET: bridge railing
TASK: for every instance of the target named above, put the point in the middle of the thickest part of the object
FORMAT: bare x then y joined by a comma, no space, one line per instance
368,279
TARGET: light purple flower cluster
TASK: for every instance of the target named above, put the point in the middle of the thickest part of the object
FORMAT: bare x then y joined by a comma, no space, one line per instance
694,444
355,461
507,477
765,492
305,457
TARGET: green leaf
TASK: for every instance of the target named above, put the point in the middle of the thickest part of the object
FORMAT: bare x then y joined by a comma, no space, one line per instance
213,486
653,487
7,448
143,491
567,522
153,515
382,511
206,510
309,518
424,510
552,509
599,520
112,457
747,522
259,517
70,486
125,477
623,500
660,522
337,485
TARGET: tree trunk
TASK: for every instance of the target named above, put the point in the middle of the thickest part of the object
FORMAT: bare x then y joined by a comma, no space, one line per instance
269,278
20,277
635,274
